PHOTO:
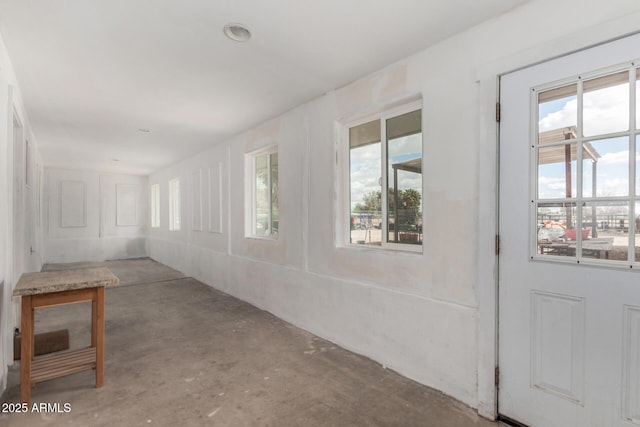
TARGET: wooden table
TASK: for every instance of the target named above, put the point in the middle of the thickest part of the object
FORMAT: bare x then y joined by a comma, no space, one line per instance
593,247
54,288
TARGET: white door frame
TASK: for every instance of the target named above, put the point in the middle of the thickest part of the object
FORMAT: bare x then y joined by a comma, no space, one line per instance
488,80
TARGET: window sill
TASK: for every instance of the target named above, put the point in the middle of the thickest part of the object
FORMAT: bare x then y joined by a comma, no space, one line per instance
265,238
588,262
391,248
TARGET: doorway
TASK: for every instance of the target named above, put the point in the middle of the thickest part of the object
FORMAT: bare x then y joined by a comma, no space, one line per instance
569,291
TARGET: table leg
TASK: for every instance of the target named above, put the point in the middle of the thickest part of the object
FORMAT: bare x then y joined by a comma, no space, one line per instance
94,319
26,350
99,335
33,330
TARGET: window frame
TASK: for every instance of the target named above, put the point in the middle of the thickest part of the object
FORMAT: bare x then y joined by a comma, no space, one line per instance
175,216
250,193
155,205
580,202
344,169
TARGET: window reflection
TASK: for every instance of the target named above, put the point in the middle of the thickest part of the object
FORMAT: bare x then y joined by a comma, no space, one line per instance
557,171
608,225
588,183
636,237
605,169
606,104
555,226
637,98
365,166
638,166
557,114
404,178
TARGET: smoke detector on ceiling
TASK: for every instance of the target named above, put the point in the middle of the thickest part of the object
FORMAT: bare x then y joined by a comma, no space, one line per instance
237,32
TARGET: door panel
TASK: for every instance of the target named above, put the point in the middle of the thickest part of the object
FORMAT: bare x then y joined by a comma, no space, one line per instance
569,333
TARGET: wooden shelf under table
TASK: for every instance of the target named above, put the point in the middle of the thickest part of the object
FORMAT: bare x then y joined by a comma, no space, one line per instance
52,366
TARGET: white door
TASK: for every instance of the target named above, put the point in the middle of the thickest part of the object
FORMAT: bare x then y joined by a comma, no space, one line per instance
569,316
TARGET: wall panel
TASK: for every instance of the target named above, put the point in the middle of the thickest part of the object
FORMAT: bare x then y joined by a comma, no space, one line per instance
73,204
126,205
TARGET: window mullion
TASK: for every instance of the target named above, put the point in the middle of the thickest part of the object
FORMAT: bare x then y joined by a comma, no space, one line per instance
579,189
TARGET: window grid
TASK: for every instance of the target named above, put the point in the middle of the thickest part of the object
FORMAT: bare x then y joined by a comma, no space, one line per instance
583,208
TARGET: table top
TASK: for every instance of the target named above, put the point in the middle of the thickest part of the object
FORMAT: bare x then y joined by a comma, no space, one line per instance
64,280
603,244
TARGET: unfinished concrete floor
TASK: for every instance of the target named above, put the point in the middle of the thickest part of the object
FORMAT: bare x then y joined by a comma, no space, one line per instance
179,353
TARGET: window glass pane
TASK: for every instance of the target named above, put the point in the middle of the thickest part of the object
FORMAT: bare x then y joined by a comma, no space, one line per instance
606,104
605,230
262,195
637,98
275,213
637,233
638,165
557,167
555,226
404,178
557,114
366,197
364,134
605,168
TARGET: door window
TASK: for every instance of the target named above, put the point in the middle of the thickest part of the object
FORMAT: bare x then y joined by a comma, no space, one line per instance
586,186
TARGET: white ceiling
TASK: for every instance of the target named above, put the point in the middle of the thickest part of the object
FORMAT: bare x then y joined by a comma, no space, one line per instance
92,73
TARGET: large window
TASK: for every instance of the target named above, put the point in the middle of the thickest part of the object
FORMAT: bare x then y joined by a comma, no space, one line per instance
174,204
263,218
385,179
155,205
586,155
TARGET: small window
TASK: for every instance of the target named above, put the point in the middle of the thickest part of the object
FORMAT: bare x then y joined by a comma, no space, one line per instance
385,179
174,204
262,219
586,196
155,205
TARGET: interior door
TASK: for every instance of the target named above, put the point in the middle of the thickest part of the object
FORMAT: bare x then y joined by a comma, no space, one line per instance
569,289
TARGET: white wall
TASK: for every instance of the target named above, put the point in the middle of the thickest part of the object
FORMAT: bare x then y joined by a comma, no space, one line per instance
430,316
93,216
20,198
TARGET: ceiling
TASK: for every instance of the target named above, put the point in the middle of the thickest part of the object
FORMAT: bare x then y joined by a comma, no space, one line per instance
93,73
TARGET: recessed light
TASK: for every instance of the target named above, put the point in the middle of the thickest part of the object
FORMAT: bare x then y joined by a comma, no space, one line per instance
116,160
237,32
144,130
